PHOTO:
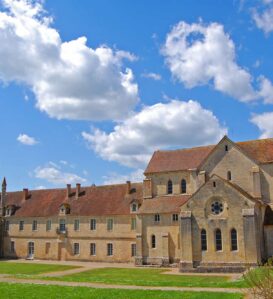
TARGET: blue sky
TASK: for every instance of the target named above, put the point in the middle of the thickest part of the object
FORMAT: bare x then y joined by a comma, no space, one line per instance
89,89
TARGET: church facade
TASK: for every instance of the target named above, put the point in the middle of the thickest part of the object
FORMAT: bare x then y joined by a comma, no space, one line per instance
203,209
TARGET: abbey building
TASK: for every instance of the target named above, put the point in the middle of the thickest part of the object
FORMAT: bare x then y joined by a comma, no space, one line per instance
204,209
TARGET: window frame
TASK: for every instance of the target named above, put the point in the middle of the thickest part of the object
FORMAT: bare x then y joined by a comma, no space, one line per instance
12,246
203,238
183,186
133,223
7,225
157,218
48,225
153,241
233,241
170,187
76,248
133,250
62,225
229,177
93,224
218,240
110,249
34,225
76,225
175,217
110,224
21,225
93,249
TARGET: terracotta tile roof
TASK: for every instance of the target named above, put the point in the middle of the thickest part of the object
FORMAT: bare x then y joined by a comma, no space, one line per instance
260,150
93,201
163,204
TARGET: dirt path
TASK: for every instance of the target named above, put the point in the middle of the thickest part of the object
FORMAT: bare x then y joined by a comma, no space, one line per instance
125,287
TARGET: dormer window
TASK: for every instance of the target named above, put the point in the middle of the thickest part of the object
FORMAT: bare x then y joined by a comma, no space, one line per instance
65,209
134,207
8,212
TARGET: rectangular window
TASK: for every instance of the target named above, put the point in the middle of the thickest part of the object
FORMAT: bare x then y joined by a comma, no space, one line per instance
133,223
76,224
34,225
92,248
157,218
133,250
6,225
76,248
109,249
62,225
21,225
12,247
93,224
110,223
175,217
48,225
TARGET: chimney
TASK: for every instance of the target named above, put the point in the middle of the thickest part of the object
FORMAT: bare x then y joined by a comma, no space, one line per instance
68,190
25,193
78,190
128,189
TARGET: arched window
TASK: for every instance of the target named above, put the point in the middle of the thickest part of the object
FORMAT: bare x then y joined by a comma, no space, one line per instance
229,175
203,240
183,186
153,241
218,239
233,238
170,187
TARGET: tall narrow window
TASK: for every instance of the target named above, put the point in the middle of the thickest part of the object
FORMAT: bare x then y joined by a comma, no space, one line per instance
48,225
226,148
110,223
109,249
34,225
233,238
218,239
203,240
76,224
93,224
30,249
21,225
76,248
229,175
170,187
12,247
153,241
157,218
62,225
183,186
92,248
133,250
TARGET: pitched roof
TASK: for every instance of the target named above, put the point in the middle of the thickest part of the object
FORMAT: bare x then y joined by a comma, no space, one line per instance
163,204
173,160
93,201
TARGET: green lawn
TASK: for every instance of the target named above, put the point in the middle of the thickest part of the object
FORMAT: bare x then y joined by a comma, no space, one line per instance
28,291
29,268
149,277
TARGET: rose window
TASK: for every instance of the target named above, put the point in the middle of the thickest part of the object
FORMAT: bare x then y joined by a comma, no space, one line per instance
217,207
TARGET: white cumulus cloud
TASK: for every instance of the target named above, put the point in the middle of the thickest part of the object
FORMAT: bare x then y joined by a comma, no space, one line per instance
154,76
264,122
264,19
266,90
175,124
55,175
27,140
69,79
198,54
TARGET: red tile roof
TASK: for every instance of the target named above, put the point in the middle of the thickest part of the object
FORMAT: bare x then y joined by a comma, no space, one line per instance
183,159
93,201
163,204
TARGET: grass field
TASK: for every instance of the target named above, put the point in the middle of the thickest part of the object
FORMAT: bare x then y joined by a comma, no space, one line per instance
29,268
149,277
28,291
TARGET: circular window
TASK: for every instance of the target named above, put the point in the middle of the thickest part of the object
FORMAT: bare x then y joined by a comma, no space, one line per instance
217,207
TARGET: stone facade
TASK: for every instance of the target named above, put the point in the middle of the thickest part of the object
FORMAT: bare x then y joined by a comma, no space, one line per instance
202,209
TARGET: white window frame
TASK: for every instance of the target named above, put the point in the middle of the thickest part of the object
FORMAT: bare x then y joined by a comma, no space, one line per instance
157,218
76,248
175,217
48,225
34,225
93,249
110,249
110,224
93,224
21,225
76,225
